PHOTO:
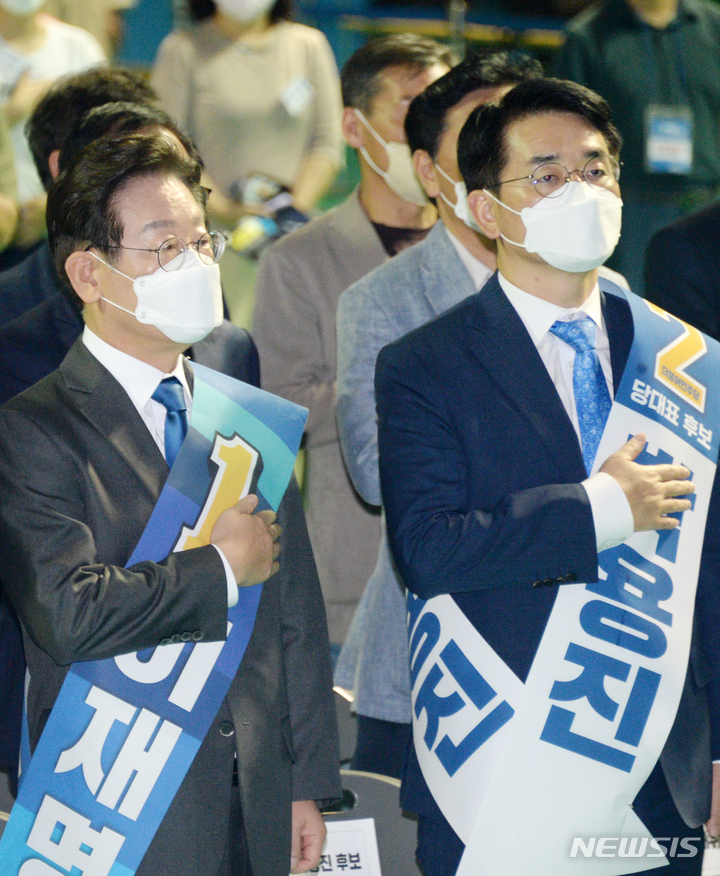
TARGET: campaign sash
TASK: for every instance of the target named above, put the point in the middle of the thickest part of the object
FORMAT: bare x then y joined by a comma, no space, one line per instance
520,771
124,731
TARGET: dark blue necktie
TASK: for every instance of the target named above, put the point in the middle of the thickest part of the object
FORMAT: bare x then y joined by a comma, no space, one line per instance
592,399
170,394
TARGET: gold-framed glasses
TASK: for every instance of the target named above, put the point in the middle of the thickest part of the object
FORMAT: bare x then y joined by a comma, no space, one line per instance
551,179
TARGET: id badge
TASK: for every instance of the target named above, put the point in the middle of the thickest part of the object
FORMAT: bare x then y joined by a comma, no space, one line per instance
296,95
668,139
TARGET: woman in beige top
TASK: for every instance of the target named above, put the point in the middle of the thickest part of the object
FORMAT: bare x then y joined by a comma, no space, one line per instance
259,94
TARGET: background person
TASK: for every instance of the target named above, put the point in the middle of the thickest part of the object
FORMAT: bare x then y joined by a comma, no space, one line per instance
259,95
452,262
657,63
36,49
102,18
682,269
8,186
300,280
34,279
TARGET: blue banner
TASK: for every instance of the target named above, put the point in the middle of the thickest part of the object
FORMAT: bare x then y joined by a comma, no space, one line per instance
124,731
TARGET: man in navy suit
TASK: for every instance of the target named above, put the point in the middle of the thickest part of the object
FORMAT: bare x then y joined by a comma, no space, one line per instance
483,444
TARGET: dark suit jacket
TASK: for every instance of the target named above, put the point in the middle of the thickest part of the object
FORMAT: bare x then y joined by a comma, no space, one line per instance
481,469
79,477
682,269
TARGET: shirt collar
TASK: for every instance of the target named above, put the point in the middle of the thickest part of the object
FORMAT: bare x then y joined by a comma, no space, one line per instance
479,273
538,315
137,378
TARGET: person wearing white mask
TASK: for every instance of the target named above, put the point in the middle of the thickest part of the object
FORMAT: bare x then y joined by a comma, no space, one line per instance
300,280
36,49
259,95
489,421
128,233
452,262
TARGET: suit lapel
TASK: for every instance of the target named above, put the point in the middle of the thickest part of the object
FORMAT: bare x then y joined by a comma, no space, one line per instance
354,240
507,352
106,405
440,260
618,323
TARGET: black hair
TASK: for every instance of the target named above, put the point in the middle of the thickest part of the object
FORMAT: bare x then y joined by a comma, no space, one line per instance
360,77
425,120
282,10
67,101
118,118
82,203
482,146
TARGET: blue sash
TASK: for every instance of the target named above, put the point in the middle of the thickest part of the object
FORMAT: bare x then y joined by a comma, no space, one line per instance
124,731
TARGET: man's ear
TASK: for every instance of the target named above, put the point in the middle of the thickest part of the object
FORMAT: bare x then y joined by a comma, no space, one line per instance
352,128
483,209
80,267
54,163
426,172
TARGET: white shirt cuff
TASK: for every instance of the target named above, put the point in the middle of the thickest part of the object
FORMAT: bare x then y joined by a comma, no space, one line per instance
231,582
610,510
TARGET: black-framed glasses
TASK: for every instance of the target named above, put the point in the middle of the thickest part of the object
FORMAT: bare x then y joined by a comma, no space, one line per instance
550,180
171,252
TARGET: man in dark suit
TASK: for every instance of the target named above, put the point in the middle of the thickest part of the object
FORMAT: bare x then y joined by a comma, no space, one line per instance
682,269
485,446
83,451
35,342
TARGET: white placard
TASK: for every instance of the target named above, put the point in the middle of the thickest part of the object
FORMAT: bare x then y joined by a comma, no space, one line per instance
711,862
350,849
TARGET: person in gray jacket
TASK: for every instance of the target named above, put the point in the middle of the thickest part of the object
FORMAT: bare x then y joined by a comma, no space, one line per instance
301,278
453,261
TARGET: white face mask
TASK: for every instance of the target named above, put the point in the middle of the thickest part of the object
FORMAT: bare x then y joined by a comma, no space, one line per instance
186,304
21,7
400,175
575,232
461,206
245,10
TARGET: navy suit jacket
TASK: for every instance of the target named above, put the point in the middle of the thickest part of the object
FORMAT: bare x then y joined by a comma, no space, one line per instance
481,476
28,283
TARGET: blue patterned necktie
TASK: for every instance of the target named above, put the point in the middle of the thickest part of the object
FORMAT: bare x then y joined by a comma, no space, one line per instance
592,399
170,394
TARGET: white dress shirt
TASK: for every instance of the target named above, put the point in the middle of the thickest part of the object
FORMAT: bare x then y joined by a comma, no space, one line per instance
140,380
610,508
